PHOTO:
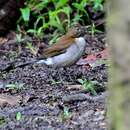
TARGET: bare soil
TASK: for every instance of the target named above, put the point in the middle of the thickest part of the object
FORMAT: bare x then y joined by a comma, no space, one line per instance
46,94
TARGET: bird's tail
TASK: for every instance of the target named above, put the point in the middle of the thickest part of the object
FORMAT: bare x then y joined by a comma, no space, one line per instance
41,62
26,63
13,65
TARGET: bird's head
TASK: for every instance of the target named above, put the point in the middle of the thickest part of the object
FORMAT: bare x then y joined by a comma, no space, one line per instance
75,32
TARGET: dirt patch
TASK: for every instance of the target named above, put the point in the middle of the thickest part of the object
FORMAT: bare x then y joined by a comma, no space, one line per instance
43,91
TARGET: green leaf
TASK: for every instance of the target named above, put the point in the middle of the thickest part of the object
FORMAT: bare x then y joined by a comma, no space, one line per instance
11,86
98,5
41,5
61,3
25,13
54,20
76,19
15,86
39,19
31,31
67,10
18,116
79,7
66,112
19,37
90,87
2,120
81,81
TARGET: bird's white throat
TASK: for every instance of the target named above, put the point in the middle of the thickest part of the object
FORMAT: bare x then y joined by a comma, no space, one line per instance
80,41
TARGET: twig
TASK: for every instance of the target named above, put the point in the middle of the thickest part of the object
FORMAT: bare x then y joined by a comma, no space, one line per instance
83,97
5,51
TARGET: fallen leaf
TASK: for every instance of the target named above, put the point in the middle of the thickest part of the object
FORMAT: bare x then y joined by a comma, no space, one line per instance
93,58
8,99
75,87
3,40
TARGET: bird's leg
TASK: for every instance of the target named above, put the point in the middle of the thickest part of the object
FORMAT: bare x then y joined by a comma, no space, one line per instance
61,79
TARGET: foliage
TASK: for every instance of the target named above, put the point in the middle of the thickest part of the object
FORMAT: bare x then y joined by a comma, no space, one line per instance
2,120
97,5
19,38
25,14
18,116
53,82
14,86
40,16
31,48
92,29
88,85
66,114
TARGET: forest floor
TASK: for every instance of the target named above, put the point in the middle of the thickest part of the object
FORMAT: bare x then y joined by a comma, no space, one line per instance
43,98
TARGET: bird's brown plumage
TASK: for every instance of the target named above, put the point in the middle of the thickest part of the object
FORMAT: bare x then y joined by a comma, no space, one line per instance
61,45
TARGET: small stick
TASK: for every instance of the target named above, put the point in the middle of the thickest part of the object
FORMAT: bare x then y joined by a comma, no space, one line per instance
83,97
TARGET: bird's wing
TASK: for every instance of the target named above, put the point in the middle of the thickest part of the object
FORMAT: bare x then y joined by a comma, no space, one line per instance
53,53
59,47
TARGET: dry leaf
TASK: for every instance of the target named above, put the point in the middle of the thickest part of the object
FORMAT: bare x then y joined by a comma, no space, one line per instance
11,100
2,40
75,87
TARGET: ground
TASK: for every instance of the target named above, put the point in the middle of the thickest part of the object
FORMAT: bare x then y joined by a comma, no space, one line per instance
52,98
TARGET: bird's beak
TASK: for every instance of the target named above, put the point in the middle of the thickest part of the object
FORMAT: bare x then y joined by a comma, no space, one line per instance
86,40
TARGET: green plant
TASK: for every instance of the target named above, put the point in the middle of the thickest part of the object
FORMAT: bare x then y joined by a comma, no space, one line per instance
25,13
18,116
2,120
52,15
54,38
30,46
15,86
53,82
92,29
55,15
81,12
97,5
66,112
81,7
19,38
38,31
50,18
88,85
65,115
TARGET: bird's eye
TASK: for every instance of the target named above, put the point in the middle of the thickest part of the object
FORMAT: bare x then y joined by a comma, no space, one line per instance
78,31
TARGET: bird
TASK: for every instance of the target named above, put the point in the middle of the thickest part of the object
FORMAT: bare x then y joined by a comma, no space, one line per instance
65,52
63,43
72,54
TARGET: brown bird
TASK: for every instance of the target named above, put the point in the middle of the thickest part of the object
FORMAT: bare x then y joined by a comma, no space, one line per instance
66,51
63,43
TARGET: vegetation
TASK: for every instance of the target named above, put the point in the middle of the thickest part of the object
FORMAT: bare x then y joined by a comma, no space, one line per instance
2,120
18,116
14,86
65,115
56,16
88,85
